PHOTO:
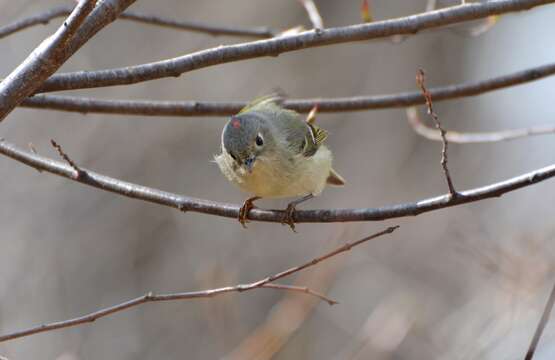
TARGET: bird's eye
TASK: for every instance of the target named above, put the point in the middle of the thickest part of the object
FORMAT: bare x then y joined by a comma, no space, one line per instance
259,140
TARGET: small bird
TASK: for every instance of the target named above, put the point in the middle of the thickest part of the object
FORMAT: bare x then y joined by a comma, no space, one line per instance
272,152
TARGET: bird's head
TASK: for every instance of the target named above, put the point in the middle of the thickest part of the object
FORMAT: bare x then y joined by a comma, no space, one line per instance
246,137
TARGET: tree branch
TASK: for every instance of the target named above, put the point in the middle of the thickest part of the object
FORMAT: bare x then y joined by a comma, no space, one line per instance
186,203
86,20
150,297
473,137
42,62
105,12
60,11
357,103
275,46
541,325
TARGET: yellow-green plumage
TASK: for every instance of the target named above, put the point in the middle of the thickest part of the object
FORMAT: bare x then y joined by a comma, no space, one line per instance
292,160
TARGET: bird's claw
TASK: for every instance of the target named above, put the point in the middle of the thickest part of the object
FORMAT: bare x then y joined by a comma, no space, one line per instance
289,217
248,205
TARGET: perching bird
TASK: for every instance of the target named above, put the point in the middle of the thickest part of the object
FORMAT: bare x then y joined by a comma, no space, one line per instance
272,152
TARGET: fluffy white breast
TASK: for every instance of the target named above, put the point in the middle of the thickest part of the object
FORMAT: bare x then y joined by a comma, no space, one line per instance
273,178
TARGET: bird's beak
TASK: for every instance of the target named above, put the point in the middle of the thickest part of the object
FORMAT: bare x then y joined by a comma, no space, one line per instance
249,163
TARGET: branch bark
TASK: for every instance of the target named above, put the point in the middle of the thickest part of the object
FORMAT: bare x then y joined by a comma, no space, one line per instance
357,103
186,203
150,297
82,25
275,46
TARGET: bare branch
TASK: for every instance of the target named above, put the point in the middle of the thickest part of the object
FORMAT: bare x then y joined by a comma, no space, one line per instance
60,11
541,325
473,137
150,297
275,46
421,82
313,14
186,203
358,103
42,62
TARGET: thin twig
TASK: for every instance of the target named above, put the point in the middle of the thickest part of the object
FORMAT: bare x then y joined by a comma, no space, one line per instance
186,203
67,159
313,14
42,62
260,32
37,19
541,325
302,289
287,315
45,17
275,46
421,82
473,137
357,103
150,297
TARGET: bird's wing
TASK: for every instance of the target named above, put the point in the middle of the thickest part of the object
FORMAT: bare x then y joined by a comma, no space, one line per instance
302,137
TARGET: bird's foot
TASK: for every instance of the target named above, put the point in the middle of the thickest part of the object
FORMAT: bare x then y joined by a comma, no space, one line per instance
248,205
289,217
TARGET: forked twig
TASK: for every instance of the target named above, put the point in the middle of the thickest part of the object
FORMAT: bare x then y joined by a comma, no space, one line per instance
43,61
150,297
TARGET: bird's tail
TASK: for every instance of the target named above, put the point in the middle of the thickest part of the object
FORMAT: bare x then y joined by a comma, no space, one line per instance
335,179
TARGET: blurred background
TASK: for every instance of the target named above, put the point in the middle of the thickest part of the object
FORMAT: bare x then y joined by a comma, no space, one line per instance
468,282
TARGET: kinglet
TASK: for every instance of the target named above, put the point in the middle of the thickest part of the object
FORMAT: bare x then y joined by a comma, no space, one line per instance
271,152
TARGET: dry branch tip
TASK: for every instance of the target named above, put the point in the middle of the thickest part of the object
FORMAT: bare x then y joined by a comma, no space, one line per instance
421,82
79,172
